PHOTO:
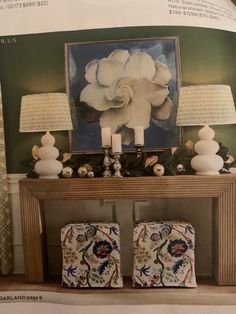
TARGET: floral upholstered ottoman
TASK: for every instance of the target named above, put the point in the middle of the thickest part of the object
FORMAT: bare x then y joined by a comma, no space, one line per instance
163,254
91,255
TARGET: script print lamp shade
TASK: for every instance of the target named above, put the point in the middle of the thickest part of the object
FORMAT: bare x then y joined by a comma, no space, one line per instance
46,112
206,105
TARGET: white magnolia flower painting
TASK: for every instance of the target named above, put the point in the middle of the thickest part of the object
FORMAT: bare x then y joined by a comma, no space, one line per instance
121,85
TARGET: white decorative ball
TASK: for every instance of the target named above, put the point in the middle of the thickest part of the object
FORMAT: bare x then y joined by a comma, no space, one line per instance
158,170
180,168
67,172
90,174
82,172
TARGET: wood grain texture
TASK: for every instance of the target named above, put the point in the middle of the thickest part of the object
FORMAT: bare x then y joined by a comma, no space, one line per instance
128,188
33,236
220,188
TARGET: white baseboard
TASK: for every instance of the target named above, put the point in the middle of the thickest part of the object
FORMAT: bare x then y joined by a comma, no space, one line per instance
14,203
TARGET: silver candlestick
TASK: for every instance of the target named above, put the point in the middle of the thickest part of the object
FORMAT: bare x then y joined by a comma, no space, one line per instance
117,165
139,150
106,162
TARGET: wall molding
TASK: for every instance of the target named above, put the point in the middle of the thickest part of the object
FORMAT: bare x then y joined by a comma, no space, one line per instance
13,182
14,203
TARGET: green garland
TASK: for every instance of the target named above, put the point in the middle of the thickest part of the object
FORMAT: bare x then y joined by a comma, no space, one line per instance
176,161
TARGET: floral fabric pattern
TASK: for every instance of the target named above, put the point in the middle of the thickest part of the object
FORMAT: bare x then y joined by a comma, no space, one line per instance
91,255
163,254
5,223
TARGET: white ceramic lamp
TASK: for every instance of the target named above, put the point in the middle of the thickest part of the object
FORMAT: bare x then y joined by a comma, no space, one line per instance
206,105
46,112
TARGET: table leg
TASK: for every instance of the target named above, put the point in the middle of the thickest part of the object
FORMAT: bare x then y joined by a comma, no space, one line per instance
224,237
33,234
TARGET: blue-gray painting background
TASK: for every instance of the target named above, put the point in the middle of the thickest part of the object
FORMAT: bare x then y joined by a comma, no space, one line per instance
86,137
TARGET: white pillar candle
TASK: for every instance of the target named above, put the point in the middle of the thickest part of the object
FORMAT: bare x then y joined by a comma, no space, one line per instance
106,137
138,135
116,143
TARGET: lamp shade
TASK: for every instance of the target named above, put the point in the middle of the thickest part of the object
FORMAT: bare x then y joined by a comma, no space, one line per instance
205,104
45,112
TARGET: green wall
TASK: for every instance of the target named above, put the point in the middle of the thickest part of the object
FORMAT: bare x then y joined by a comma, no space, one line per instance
36,63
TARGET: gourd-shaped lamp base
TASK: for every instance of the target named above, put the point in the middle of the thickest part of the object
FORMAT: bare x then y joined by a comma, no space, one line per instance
207,162
48,167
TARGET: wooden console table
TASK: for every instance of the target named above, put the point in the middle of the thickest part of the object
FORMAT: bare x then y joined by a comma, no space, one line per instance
222,190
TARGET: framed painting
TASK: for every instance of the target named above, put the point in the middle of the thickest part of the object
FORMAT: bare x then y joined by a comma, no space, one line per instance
122,84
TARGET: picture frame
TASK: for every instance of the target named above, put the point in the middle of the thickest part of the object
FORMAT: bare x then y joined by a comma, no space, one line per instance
113,84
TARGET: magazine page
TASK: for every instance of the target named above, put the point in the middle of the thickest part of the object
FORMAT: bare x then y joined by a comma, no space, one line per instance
44,51
80,49
52,15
